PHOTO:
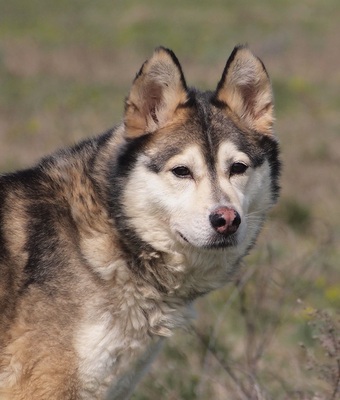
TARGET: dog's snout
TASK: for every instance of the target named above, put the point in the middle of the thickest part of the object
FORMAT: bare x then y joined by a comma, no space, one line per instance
225,220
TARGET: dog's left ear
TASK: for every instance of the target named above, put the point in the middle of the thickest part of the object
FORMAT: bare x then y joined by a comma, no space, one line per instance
157,91
246,90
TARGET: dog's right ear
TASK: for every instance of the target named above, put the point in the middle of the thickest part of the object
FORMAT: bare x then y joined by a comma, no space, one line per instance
157,91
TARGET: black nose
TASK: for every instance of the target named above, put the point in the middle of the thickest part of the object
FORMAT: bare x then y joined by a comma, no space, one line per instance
225,220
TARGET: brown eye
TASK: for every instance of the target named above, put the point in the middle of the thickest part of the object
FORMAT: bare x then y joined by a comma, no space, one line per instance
238,168
182,172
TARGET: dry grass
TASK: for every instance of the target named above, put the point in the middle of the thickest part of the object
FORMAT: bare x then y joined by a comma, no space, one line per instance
65,68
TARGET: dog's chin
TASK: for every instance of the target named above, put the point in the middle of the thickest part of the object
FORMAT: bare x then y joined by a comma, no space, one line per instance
214,243
230,241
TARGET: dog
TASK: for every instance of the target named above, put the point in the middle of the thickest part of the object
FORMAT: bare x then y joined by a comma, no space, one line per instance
105,245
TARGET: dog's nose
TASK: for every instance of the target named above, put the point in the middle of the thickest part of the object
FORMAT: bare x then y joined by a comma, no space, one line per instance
225,220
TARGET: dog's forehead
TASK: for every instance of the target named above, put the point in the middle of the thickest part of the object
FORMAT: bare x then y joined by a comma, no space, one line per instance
216,120
207,126
213,126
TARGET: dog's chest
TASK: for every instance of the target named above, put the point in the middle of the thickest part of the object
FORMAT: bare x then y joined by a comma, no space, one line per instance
113,348
97,347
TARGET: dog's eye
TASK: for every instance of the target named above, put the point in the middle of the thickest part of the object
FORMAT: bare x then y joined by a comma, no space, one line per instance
238,168
182,172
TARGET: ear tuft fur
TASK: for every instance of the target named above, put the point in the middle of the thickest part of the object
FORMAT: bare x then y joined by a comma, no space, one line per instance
157,91
245,88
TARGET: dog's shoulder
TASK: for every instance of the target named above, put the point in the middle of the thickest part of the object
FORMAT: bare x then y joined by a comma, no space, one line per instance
44,212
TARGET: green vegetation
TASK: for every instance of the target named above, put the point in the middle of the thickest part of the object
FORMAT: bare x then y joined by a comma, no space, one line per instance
65,68
296,215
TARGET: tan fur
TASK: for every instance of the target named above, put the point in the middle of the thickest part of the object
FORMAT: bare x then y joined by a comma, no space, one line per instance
104,246
155,96
247,92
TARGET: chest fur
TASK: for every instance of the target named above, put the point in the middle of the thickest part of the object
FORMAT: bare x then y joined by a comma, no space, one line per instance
117,340
109,350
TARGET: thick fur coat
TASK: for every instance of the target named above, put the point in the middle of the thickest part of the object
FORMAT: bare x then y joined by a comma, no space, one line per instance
104,245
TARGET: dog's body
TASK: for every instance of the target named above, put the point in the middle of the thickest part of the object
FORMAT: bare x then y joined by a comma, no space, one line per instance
104,245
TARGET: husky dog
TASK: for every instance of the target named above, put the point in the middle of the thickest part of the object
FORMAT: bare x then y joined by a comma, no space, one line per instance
104,245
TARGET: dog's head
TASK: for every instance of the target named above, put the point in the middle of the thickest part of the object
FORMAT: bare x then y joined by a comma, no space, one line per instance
198,170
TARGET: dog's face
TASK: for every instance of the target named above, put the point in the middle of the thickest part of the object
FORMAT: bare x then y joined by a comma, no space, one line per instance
202,167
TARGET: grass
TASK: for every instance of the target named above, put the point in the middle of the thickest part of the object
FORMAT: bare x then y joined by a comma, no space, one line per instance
65,68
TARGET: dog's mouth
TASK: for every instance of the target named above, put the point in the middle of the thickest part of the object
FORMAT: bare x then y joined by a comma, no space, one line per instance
183,237
222,243
217,242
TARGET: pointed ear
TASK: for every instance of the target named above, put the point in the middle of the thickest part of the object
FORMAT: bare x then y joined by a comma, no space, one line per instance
157,91
245,88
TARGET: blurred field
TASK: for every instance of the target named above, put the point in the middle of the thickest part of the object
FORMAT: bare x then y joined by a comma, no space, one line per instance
65,67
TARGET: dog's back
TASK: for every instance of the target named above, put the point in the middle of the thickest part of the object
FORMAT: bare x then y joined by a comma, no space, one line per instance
43,276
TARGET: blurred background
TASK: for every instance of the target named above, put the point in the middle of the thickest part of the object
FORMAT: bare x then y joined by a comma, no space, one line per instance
65,68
